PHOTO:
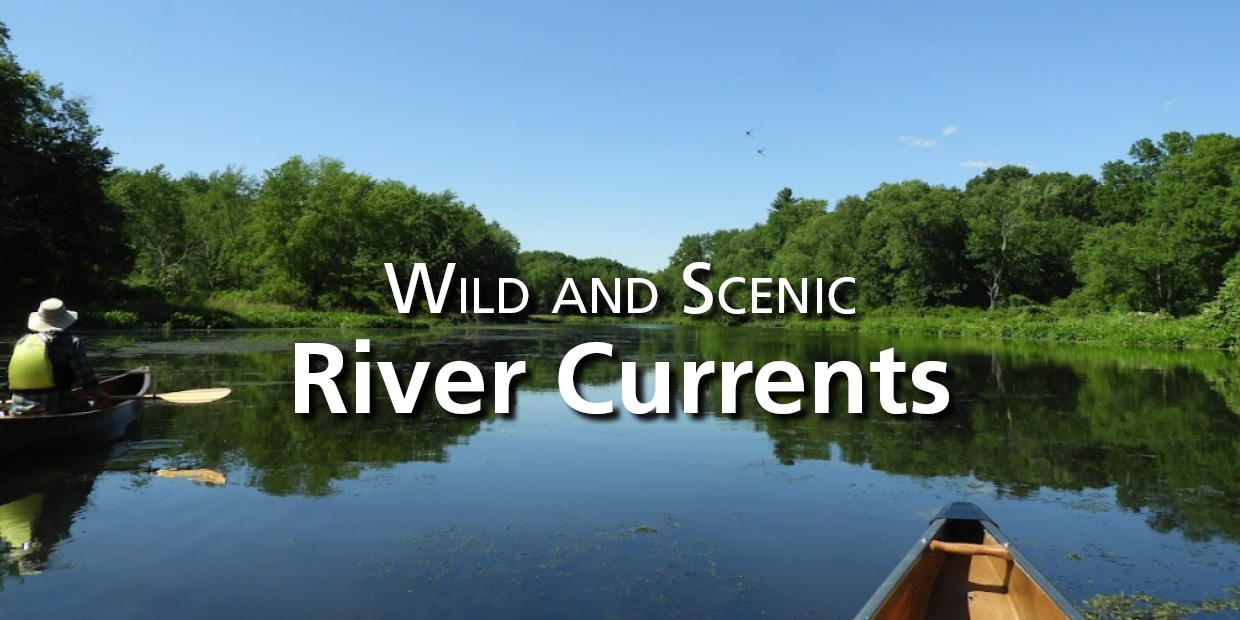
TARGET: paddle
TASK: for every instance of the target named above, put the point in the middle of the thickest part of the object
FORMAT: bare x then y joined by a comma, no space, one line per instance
205,476
184,397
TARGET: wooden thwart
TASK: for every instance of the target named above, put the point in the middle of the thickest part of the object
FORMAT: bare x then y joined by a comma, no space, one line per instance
998,551
963,566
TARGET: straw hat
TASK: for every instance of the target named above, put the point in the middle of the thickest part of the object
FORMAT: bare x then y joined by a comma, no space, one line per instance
51,315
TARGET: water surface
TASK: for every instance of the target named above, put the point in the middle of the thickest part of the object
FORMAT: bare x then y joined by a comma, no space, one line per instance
1113,469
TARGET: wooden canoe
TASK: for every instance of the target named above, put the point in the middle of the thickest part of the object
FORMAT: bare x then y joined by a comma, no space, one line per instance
50,434
965,567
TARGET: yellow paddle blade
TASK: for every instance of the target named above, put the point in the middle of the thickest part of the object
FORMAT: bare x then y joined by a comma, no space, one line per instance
195,397
206,476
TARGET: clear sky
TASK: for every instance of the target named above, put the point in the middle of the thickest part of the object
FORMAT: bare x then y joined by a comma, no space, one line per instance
616,128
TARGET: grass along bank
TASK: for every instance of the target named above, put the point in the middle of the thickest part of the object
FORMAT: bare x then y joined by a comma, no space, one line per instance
1026,323
238,316
1039,323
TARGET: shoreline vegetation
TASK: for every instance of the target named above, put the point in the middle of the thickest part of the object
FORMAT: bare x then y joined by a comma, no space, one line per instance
1033,323
1133,329
1127,329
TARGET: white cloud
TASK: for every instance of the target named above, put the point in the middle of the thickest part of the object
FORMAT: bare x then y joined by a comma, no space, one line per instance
921,143
950,129
1168,104
978,163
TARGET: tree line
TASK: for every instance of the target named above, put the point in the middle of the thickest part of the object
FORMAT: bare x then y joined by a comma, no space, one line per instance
310,234
1157,232
306,233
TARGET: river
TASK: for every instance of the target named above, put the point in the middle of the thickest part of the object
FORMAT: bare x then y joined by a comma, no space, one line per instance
1114,470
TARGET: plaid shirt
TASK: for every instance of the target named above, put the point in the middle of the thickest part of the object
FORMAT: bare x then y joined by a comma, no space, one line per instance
68,357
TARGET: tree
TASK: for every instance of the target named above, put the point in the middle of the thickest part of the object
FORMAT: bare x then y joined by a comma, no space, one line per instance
787,213
59,234
999,212
824,246
1226,306
320,235
1184,221
217,209
1024,229
155,229
911,247
312,232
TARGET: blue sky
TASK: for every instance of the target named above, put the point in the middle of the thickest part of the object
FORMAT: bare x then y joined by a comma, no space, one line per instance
616,128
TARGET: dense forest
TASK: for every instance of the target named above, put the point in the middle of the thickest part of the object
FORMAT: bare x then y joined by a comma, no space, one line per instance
1158,232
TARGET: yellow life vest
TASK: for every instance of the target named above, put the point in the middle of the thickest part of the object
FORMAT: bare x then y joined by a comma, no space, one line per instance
31,368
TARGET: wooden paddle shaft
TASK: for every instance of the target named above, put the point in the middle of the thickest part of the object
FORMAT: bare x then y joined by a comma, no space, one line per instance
998,551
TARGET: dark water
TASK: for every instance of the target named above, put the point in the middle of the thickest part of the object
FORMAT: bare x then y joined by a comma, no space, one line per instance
1114,469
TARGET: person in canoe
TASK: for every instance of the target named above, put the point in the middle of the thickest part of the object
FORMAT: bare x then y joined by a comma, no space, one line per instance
48,362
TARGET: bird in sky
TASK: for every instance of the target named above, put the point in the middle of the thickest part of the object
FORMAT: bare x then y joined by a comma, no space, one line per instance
750,134
762,152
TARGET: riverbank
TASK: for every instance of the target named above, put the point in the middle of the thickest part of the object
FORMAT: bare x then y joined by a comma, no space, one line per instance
1127,329
238,316
1030,323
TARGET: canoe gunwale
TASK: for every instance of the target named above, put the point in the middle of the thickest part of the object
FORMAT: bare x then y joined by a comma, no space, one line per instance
120,379
28,436
962,511
901,571
1032,571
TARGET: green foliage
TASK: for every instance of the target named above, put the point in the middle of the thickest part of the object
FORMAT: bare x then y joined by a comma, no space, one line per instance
787,214
1043,323
310,234
216,210
321,235
911,247
1141,606
155,229
1174,226
236,310
1023,230
544,274
1226,307
1159,232
121,319
55,221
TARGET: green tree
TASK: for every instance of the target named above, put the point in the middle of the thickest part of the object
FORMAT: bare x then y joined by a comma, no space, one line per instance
59,234
911,248
544,274
824,246
999,215
1024,230
155,230
1177,199
309,226
320,234
787,213
216,210
672,290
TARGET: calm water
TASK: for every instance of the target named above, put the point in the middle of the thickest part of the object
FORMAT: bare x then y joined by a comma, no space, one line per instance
1113,469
